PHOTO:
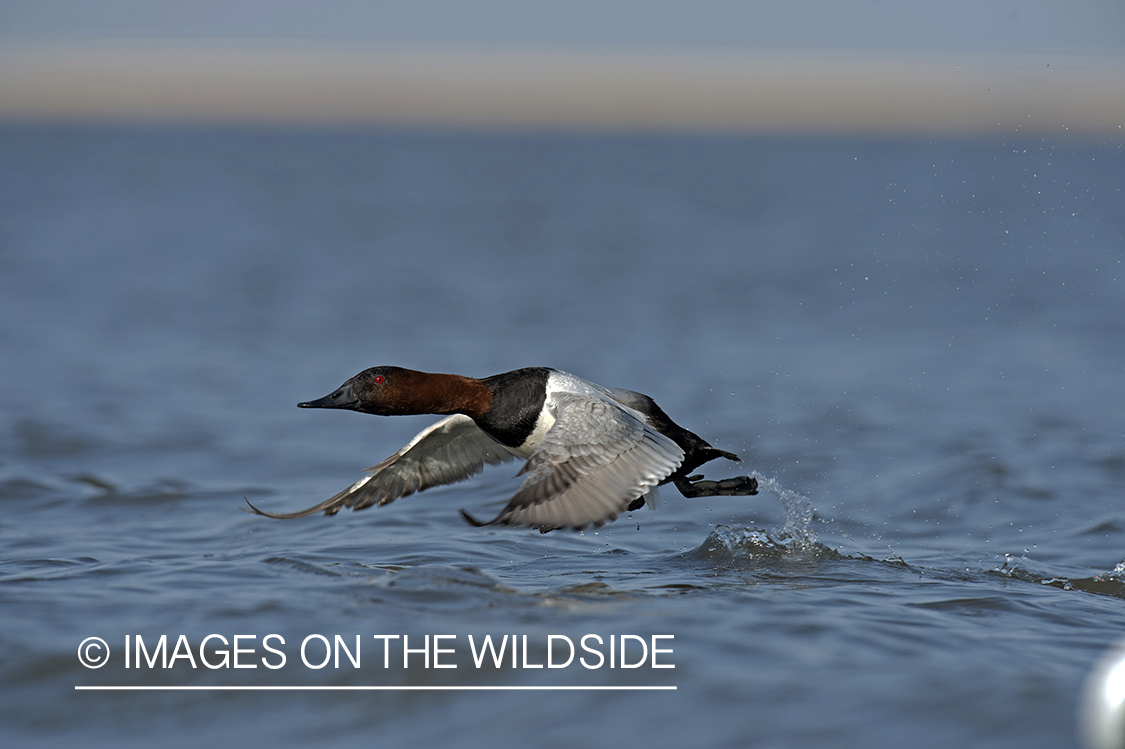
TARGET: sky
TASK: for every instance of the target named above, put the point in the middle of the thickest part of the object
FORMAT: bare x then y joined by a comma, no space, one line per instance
1095,27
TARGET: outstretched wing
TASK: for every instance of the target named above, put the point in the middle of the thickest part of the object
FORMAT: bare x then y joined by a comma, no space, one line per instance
594,461
451,450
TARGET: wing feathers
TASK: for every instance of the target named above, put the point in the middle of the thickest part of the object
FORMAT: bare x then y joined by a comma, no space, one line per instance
595,460
448,451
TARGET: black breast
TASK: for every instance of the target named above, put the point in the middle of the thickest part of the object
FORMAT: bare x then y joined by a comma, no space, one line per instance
517,400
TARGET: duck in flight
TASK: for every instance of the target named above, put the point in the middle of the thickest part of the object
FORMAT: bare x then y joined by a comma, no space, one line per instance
592,452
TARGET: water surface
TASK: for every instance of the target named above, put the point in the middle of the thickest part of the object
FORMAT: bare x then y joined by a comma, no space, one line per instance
923,339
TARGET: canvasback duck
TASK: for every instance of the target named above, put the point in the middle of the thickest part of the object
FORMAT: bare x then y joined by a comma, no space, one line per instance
592,452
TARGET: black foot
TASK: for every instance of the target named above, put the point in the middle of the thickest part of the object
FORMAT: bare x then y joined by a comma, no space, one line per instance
695,486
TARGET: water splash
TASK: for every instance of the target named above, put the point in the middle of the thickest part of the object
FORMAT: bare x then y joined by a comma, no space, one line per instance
1116,575
798,513
793,542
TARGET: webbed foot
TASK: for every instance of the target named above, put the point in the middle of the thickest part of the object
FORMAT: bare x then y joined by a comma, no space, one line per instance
696,486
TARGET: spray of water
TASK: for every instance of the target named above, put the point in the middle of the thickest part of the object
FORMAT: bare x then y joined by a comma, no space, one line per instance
794,540
798,513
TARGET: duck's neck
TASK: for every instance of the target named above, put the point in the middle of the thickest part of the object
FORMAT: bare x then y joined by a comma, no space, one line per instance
449,394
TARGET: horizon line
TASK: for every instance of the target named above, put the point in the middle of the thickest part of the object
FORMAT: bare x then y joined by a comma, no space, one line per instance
569,88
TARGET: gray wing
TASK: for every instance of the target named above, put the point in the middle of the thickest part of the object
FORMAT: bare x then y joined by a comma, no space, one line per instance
596,459
451,450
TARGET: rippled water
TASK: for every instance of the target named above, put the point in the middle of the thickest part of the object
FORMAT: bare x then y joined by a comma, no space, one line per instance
924,341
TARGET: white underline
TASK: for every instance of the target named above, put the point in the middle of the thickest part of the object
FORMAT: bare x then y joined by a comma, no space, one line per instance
373,689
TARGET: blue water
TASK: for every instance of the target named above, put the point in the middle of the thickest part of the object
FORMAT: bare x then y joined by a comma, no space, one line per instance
922,340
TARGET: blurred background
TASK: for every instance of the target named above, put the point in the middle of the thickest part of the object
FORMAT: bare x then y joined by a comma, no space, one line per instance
794,66
875,248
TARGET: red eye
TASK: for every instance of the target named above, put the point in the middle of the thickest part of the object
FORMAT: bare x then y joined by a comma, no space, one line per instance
378,379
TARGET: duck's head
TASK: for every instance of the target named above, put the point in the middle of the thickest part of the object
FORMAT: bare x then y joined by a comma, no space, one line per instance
378,390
